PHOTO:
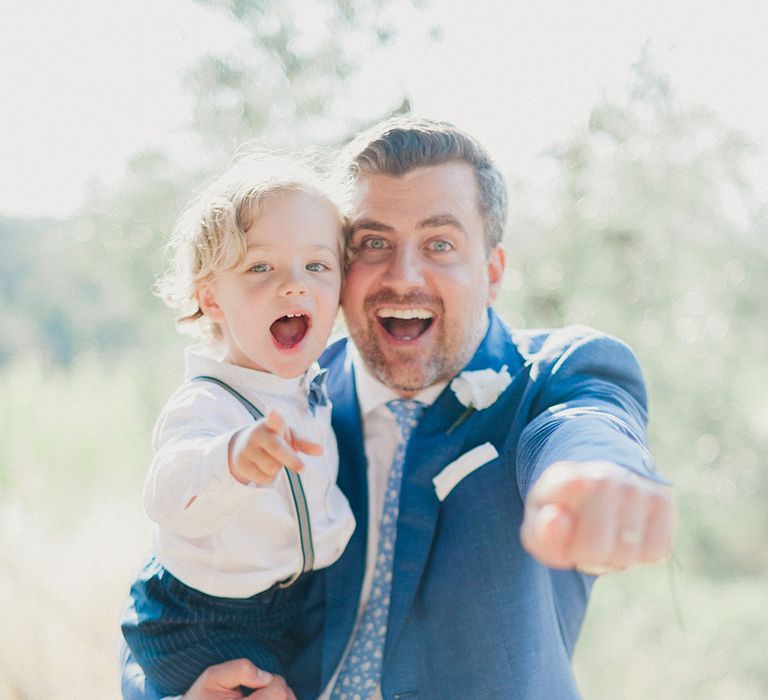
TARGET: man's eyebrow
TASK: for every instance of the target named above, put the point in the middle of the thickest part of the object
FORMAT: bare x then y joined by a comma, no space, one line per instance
435,221
441,220
370,225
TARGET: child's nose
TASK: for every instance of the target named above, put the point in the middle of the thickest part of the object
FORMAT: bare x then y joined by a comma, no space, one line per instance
293,284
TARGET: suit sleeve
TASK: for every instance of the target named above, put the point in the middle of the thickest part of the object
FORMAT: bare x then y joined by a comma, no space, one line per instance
589,403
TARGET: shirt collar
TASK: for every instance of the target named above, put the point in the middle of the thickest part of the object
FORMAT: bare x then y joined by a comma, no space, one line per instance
371,393
208,359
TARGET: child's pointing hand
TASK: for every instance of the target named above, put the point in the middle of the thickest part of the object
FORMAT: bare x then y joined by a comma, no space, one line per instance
257,454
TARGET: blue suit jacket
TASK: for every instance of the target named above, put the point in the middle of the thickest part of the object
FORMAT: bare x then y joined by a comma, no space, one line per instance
472,614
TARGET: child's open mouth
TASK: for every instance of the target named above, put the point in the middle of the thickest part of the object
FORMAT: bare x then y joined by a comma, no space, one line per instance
289,330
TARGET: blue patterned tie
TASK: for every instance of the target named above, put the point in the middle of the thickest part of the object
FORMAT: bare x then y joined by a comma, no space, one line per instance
360,674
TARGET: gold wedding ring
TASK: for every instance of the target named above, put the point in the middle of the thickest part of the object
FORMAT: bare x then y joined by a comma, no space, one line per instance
630,536
594,569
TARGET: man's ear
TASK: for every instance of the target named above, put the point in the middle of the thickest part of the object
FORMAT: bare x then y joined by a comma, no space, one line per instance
206,299
497,260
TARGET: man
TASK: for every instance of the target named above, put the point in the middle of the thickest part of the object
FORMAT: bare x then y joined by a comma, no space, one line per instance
478,528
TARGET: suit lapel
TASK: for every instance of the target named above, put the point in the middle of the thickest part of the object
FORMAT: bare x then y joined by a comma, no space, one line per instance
344,579
430,449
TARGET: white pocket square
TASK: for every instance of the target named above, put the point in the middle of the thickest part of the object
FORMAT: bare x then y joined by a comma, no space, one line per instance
447,479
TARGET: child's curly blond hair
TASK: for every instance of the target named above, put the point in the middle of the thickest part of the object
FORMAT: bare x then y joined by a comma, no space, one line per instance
209,237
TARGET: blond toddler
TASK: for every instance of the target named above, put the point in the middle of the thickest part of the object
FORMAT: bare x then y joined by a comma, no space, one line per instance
242,486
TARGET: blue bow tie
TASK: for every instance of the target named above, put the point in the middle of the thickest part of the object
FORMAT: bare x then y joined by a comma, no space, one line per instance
318,394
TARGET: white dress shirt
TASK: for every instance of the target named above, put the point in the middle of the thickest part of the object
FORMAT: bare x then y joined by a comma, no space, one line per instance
212,532
382,436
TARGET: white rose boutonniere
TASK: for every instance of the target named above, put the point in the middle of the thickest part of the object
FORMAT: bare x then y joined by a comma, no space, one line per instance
478,390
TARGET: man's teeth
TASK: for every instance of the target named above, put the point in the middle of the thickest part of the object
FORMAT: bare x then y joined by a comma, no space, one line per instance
404,313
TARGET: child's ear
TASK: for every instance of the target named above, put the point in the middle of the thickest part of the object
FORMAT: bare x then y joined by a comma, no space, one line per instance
206,298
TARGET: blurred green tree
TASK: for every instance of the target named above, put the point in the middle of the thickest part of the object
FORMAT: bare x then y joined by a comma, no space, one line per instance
83,285
282,83
649,226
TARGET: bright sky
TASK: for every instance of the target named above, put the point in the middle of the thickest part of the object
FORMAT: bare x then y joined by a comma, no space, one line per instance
84,84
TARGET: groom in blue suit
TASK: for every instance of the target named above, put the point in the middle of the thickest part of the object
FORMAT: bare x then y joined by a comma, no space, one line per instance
524,471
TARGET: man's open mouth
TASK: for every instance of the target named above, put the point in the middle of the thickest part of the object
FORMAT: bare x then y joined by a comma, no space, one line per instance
289,330
405,324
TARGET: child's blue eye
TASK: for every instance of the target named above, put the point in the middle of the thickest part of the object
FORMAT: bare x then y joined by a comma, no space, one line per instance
260,267
316,267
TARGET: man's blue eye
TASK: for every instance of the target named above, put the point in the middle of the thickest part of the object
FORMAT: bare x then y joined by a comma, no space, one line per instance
441,246
374,243
259,267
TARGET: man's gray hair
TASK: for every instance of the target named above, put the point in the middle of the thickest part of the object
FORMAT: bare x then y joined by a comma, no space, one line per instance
398,145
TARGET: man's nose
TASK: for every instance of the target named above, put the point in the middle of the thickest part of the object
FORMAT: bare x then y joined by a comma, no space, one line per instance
406,269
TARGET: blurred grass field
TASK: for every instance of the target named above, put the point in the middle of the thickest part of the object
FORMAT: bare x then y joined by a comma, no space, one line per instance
73,450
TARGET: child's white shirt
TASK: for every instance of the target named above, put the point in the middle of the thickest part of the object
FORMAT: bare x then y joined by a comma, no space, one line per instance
212,532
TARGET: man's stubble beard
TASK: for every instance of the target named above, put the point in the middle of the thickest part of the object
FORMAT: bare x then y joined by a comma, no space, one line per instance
407,371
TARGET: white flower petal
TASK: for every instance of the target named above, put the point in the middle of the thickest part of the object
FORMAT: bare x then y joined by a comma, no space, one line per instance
480,388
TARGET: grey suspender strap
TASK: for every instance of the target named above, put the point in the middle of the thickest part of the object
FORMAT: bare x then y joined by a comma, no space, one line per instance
297,491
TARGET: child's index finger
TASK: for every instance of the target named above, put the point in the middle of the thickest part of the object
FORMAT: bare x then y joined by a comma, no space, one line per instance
306,446
275,423
278,447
